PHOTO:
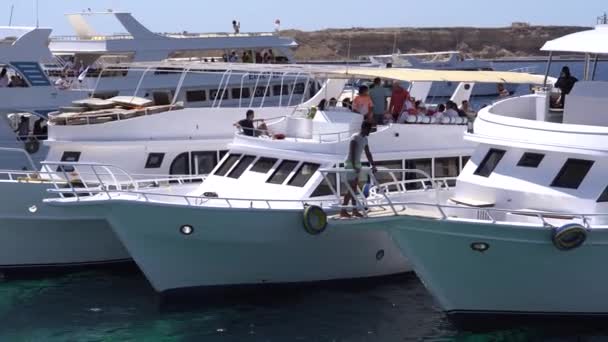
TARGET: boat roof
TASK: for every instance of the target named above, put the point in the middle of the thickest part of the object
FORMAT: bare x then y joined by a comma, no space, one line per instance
342,72
591,41
420,54
24,44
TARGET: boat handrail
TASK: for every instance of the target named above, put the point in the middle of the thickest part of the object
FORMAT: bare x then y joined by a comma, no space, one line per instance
76,38
47,176
21,152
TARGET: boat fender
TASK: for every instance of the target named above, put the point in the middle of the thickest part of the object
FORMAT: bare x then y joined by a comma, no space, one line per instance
32,146
315,219
569,236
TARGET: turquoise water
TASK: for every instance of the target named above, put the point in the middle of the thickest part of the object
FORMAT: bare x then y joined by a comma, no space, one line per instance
121,306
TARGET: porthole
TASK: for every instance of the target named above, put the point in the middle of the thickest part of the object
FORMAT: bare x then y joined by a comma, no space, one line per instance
380,255
480,247
186,229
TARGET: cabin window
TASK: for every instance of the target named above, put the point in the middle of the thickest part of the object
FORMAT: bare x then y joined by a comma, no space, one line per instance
203,162
323,188
417,164
241,93
447,168
604,196
180,165
531,160
572,173
243,164
282,172
259,91
161,98
69,156
155,160
279,90
490,162
222,153
263,165
465,160
227,164
304,174
386,177
213,93
299,88
196,96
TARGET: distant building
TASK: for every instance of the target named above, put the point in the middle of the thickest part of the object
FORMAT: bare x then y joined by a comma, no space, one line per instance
519,24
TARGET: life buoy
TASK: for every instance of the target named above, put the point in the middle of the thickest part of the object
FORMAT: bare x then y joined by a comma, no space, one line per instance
315,220
569,236
32,146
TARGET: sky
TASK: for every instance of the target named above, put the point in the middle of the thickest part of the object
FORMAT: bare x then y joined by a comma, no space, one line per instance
259,15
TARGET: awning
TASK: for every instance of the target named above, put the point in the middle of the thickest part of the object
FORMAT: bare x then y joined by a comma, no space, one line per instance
342,72
591,41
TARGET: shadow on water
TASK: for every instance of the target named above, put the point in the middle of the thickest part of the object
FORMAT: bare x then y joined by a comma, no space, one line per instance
121,306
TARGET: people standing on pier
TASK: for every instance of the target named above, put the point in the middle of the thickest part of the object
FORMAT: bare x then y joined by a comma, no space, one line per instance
358,144
363,104
565,83
378,96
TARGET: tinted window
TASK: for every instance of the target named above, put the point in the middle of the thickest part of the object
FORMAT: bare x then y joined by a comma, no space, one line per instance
604,196
227,165
490,162
238,93
417,164
531,160
299,88
263,165
447,168
465,160
214,92
282,172
259,91
241,167
69,157
180,165
196,96
304,174
572,173
277,90
155,160
203,162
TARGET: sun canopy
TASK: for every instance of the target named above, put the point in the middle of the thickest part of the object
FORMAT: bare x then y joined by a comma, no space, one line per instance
591,41
341,72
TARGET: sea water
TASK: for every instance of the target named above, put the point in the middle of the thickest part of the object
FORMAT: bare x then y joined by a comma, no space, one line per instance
121,306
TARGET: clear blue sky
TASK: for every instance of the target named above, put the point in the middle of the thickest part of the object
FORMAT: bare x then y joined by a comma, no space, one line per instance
259,15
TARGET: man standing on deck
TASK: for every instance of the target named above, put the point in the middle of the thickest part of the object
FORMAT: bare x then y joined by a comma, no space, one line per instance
358,144
378,96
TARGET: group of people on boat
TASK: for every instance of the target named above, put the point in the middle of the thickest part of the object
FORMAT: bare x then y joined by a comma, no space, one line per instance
14,81
372,104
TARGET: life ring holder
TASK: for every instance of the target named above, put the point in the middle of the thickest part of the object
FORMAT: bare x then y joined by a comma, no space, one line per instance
569,236
314,219
32,145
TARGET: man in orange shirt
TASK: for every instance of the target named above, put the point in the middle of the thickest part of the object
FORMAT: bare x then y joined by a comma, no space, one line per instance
363,104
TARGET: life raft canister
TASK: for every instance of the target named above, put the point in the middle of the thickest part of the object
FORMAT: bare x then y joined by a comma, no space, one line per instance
315,219
569,236
32,146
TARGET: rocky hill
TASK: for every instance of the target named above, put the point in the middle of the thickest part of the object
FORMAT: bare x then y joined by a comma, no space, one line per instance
517,40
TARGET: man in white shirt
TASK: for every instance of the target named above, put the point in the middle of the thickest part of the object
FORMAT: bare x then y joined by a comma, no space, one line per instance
358,144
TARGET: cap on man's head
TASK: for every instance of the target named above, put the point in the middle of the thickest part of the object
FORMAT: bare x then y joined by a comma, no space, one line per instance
366,125
250,112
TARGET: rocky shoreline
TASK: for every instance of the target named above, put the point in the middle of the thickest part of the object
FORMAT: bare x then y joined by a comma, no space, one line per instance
512,42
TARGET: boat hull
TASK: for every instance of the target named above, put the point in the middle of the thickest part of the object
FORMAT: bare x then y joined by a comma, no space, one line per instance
36,235
521,273
242,247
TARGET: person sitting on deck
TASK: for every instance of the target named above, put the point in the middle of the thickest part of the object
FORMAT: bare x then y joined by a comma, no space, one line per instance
466,111
4,81
248,125
451,109
62,83
502,91
358,144
363,104
40,131
565,83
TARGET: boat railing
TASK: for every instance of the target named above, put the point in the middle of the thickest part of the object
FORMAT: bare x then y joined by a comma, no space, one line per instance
74,38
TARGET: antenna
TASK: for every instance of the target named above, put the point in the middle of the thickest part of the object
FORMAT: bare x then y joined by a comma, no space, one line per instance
10,18
603,19
35,9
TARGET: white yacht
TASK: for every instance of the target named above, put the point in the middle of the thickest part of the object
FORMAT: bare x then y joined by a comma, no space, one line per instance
444,60
87,54
272,179
527,223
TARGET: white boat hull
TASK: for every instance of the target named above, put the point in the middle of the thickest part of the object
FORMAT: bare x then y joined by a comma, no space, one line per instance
522,272
231,247
51,236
